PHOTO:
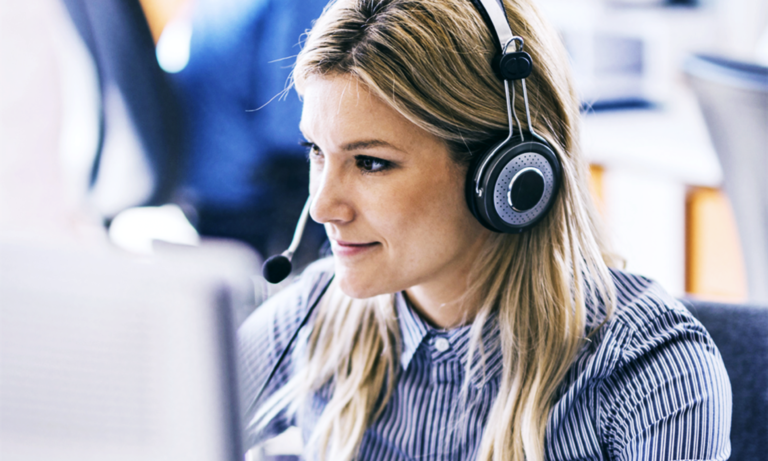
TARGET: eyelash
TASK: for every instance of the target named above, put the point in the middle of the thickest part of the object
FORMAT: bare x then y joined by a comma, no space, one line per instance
360,160
311,149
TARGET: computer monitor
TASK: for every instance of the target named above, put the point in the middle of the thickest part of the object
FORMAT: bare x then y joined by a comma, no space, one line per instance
108,357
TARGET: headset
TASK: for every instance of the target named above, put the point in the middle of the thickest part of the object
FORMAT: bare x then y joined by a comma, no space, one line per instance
509,188
512,185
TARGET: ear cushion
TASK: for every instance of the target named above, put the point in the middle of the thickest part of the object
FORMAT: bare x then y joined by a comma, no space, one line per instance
469,186
501,182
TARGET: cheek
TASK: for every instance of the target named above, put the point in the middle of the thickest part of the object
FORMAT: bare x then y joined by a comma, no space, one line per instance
426,215
401,211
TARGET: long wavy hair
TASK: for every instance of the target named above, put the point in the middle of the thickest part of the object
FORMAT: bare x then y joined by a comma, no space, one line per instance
431,61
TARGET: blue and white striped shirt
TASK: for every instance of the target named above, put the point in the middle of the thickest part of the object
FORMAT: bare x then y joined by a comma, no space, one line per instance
649,386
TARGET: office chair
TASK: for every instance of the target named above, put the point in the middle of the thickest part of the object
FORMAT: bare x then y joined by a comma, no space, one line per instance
741,334
733,97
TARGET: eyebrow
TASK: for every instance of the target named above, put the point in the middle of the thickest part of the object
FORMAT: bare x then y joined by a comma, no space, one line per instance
366,144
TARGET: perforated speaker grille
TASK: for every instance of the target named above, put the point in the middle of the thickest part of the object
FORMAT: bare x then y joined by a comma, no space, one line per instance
505,212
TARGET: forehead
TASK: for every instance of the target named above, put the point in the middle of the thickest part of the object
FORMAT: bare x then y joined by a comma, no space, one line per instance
341,109
328,100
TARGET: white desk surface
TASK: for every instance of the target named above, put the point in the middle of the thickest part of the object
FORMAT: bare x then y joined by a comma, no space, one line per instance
670,141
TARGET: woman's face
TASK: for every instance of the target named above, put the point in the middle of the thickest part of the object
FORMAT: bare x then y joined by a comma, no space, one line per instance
389,195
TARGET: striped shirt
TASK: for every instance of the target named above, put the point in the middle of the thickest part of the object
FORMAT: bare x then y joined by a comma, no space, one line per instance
649,386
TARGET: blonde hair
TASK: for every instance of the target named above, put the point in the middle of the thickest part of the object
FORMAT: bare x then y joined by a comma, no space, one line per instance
430,61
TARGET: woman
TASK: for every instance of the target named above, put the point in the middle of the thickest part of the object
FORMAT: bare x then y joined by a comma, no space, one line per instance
439,338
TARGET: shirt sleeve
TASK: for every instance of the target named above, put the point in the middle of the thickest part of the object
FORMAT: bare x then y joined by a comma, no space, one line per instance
260,341
670,398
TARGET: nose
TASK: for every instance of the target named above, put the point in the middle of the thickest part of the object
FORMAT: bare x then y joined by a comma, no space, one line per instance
331,201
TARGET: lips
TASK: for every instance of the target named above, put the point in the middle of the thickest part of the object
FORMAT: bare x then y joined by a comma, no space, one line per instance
348,249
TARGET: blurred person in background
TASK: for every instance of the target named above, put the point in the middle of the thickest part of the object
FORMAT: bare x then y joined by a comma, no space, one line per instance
90,124
65,102
49,125
141,134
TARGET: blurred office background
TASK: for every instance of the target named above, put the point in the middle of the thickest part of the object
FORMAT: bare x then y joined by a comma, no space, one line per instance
139,120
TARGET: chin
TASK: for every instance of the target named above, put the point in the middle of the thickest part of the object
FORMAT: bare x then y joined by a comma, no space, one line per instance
359,285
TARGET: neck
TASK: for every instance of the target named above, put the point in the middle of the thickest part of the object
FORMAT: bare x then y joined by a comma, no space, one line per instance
450,314
443,300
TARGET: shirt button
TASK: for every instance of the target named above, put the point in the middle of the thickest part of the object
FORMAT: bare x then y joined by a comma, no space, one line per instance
442,345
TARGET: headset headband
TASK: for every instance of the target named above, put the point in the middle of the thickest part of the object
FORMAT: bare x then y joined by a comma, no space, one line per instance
495,17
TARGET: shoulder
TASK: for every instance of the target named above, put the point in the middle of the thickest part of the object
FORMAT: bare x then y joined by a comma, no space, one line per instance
646,316
668,379
267,331
262,339
282,313
644,319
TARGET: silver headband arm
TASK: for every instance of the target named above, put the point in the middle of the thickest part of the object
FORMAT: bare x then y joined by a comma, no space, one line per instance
511,115
498,18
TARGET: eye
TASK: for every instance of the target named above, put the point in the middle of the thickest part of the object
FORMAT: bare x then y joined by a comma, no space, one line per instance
372,164
313,152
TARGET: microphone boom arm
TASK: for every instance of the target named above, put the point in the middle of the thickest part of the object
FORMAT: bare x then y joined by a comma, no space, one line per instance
299,230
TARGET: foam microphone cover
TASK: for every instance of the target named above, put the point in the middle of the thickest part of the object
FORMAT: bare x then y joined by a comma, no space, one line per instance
276,268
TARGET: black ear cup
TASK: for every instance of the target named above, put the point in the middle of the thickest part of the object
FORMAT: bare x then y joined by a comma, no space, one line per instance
518,185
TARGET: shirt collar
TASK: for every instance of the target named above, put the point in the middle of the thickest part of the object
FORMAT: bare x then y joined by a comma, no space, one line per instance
414,329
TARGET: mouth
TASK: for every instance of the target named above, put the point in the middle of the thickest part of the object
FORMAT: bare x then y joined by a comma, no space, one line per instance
349,249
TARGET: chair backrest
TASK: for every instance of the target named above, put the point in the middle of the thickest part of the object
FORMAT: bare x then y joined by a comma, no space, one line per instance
741,334
733,97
